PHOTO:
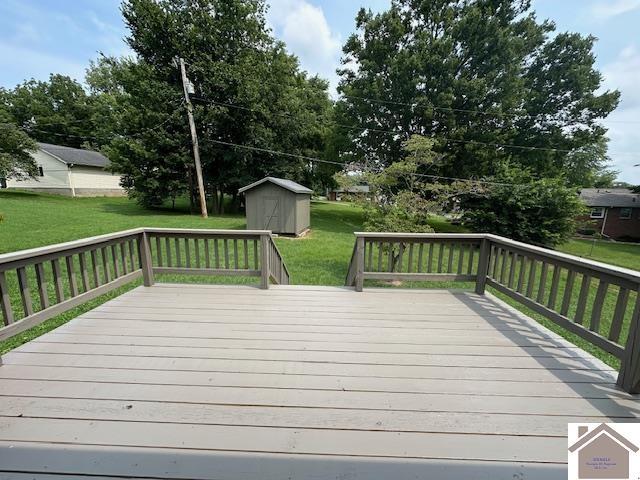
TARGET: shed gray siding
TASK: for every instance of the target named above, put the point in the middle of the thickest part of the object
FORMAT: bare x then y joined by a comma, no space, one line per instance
277,209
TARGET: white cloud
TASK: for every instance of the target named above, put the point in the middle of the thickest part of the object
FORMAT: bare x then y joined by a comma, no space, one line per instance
306,32
624,74
604,9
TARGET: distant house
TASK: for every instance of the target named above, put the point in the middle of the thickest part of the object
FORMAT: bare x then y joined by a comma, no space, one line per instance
339,194
614,212
603,453
70,171
276,204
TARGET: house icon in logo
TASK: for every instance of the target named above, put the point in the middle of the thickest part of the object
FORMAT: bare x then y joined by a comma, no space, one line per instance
602,453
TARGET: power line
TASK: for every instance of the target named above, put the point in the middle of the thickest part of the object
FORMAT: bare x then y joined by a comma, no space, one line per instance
392,132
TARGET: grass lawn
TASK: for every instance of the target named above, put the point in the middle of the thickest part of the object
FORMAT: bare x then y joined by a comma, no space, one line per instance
322,257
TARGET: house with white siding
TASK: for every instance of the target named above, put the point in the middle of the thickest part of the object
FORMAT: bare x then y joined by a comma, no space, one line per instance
71,171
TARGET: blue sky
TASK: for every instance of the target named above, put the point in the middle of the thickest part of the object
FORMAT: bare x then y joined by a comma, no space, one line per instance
42,36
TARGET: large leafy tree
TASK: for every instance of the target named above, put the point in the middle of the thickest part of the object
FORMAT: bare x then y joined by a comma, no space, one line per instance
57,111
15,150
249,91
477,76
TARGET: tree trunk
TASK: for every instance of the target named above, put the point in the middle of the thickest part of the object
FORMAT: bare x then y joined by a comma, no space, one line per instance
221,202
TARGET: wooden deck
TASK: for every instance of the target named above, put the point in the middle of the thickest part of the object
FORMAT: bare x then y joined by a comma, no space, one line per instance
231,382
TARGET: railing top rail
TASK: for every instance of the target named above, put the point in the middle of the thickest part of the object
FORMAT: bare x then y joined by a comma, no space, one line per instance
626,273
61,247
621,272
470,236
207,231
86,242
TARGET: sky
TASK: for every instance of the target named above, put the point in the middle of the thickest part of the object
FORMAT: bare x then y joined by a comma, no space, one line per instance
38,37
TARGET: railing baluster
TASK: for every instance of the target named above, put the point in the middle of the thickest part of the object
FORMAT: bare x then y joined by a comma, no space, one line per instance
582,299
512,269
178,257
235,253
187,252
25,293
96,272
506,255
57,279
370,256
420,257
158,251
5,301
216,252
105,264
132,255
568,293
84,272
430,258
167,247
246,253
390,255
207,255
123,257
450,259
472,251
533,266
225,244
543,283
116,265
255,254
461,258
596,313
440,257
41,280
618,314
71,275
410,258
521,273
496,256
196,247
555,281
380,255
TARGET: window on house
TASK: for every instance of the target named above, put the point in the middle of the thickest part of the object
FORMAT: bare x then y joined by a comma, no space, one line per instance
625,213
597,212
40,171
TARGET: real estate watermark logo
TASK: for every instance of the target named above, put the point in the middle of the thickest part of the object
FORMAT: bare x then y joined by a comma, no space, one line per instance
604,450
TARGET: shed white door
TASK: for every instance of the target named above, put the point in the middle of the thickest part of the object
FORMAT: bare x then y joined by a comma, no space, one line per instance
271,215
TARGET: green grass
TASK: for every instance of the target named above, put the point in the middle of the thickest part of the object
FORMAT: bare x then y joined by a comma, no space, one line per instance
320,258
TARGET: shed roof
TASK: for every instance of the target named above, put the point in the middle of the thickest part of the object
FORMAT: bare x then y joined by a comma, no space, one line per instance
281,182
75,156
610,197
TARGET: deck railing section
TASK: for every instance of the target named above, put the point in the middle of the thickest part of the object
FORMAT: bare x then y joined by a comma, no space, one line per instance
596,302
413,256
40,283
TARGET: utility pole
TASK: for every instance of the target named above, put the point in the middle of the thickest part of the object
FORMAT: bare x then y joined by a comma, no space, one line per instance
186,86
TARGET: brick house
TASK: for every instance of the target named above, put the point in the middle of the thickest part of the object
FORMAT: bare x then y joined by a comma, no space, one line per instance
614,212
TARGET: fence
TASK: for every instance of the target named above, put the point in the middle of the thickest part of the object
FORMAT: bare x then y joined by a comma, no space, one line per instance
597,302
41,283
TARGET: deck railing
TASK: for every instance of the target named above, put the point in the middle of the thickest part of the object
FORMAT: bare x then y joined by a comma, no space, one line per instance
40,283
597,302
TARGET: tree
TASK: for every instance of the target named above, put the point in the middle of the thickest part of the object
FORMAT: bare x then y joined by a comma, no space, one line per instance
542,212
15,150
58,111
250,91
475,76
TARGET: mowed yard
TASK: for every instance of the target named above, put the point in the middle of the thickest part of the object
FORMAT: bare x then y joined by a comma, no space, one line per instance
321,258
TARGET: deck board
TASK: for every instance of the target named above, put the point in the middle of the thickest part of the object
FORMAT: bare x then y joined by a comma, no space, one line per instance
222,382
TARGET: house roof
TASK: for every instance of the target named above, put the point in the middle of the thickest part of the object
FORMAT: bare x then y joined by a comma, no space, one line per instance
599,430
75,156
610,197
353,189
281,182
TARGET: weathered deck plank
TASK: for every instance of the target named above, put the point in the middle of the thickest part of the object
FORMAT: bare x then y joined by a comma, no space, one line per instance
298,382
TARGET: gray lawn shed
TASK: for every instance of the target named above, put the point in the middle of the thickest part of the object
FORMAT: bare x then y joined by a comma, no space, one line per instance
279,205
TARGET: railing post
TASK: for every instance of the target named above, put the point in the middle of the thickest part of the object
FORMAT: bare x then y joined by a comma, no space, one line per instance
629,376
264,260
144,250
483,266
359,263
